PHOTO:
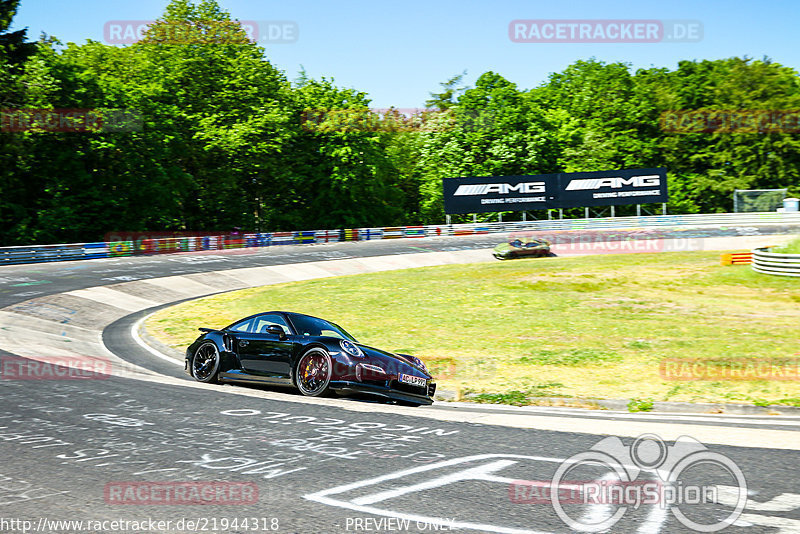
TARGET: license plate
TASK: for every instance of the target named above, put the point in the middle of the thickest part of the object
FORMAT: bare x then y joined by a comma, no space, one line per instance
413,380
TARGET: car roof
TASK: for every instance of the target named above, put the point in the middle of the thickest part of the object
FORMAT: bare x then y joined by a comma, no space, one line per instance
289,314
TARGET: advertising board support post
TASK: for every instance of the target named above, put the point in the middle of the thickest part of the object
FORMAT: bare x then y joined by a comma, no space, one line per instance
639,209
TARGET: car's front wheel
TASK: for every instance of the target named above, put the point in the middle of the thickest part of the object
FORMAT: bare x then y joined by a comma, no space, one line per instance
205,363
313,373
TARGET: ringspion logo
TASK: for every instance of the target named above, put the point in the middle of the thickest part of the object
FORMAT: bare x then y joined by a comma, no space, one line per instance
647,472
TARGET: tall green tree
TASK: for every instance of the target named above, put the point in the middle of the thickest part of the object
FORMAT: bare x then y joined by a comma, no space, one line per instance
716,162
23,82
451,90
493,129
343,176
218,138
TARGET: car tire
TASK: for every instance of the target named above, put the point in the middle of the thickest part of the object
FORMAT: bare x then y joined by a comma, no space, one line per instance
313,373
206,368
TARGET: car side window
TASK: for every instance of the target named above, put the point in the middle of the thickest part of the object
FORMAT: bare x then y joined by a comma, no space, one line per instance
331,333
262,322
243,326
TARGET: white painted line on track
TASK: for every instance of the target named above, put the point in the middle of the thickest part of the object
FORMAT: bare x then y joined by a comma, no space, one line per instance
323,497
139,341
475,473
778,439
533,410
605,413
594,423
755,419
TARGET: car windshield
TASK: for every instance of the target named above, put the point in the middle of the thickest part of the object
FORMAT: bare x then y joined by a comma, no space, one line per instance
312,326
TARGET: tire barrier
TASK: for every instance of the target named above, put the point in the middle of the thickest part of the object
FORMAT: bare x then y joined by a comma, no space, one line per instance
195,242
774,263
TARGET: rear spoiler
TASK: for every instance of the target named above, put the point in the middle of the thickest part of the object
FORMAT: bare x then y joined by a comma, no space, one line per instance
204,329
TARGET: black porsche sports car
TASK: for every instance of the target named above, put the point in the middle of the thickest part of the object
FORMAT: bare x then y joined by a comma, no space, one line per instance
309,353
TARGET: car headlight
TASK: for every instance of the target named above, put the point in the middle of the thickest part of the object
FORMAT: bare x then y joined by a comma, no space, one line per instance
350,348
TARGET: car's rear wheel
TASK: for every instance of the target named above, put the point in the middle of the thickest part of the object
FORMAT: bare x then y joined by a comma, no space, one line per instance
313,373
205,364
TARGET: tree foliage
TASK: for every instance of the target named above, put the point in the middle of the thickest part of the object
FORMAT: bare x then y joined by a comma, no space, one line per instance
221,139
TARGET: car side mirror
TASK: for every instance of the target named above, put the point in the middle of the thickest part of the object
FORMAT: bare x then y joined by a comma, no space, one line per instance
276,330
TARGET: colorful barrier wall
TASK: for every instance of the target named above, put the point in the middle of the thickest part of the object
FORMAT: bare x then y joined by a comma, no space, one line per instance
195,241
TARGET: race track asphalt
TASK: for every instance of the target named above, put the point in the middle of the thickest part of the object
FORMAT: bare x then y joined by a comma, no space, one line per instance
115,448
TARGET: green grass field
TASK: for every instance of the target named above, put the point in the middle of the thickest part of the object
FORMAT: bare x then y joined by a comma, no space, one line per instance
591,326
792,247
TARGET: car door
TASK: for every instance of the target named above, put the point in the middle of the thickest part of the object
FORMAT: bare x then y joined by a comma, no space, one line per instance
263,353
531,248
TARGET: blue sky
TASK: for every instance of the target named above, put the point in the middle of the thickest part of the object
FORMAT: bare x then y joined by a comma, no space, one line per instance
398,52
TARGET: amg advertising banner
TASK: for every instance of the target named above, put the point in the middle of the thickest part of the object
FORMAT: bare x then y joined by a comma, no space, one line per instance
617,188
548,191
499,193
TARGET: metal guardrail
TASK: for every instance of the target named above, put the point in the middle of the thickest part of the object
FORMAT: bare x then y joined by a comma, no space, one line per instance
82,251
42,253
774,263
